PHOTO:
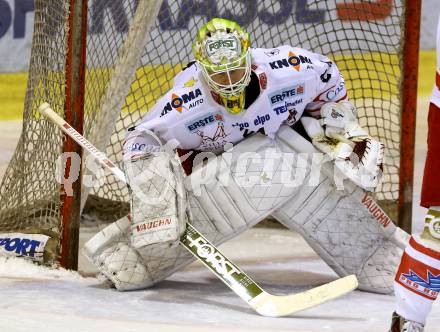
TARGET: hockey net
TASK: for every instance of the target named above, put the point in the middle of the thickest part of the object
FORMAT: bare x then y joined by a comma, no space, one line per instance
130,66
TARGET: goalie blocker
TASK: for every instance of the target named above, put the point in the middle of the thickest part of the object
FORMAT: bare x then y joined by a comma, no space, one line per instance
345,227
158,197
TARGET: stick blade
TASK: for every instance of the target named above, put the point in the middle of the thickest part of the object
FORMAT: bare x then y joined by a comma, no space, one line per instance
276,306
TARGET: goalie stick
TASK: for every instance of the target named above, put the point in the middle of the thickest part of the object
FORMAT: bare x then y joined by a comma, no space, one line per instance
241,284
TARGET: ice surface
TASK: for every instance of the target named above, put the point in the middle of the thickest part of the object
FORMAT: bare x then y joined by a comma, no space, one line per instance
191,300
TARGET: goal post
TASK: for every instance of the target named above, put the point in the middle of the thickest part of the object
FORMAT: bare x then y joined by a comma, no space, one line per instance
410,61
102,65
74,115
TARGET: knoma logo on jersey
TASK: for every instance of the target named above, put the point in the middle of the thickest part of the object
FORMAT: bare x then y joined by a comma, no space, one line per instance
292,60
180,102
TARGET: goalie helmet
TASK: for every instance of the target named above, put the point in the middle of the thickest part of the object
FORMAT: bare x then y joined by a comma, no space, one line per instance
222,49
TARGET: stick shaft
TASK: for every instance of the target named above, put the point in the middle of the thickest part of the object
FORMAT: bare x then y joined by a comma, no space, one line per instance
82,141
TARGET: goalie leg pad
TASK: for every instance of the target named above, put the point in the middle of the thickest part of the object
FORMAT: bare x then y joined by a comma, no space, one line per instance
111,252
221,206
220,212
345,227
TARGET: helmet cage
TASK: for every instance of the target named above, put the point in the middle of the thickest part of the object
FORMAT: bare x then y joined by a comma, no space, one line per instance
230,89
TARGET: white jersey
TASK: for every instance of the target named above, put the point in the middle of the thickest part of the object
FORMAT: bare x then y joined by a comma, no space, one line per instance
291,81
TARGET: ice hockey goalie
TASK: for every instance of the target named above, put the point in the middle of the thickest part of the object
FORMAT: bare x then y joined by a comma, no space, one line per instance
263,132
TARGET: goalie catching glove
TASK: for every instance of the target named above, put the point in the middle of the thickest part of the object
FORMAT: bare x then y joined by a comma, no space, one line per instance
158,196
338,134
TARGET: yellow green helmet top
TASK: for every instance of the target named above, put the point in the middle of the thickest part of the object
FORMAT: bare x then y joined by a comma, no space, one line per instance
221,48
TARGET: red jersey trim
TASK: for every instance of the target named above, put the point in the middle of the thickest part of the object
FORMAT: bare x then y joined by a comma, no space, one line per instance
420,248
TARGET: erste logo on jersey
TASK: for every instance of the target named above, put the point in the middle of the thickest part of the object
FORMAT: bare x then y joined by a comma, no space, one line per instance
178,103
287,93
292,60
203,121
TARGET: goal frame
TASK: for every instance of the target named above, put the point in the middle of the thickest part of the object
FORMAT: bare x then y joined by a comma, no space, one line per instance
74,114
413,10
